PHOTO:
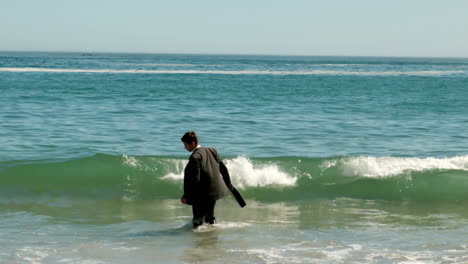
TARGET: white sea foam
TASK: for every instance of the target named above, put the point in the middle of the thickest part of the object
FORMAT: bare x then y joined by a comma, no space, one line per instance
244,173
130,161
178,174
220,225
303,252
237,72
32,255
164,64
173,64
389,166
341,253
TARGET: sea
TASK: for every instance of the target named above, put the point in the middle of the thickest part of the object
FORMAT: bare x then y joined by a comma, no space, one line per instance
340,159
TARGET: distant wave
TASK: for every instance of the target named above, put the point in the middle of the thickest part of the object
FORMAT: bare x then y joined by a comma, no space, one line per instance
171,64
263,179
237,72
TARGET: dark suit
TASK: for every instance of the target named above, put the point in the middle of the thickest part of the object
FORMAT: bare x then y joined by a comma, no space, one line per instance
204,184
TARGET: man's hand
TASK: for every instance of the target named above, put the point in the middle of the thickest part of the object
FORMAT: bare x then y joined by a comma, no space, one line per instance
183,200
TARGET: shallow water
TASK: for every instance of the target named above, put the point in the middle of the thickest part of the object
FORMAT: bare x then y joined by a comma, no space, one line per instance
320,231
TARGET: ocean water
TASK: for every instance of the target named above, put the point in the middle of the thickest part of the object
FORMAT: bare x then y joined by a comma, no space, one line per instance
340,159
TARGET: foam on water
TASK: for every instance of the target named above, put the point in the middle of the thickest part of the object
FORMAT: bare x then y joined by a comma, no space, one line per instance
302,252
219,226
375,167
239,72
246,174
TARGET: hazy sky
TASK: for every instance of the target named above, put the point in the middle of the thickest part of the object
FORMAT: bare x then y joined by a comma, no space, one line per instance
435,28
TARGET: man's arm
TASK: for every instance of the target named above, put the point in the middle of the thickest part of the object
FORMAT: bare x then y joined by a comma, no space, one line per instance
191,180
225,173
227,180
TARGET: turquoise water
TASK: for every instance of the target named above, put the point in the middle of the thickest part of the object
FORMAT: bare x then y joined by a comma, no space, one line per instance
340,159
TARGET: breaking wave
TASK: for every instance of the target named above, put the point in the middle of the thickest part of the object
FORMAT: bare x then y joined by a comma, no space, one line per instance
240,72
263,179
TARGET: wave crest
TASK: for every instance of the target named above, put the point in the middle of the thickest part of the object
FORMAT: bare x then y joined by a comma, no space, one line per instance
244,173
265,179
375,167
427,73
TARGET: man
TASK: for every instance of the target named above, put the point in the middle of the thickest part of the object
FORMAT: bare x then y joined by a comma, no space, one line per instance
206,180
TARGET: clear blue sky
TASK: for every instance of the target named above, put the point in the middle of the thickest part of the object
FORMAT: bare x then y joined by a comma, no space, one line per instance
434,28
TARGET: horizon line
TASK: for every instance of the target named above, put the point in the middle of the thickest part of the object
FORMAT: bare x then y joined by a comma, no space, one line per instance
232,54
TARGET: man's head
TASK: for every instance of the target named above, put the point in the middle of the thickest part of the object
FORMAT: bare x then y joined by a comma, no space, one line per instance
190,140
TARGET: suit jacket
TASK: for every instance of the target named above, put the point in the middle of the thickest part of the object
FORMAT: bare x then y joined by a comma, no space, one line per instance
202,176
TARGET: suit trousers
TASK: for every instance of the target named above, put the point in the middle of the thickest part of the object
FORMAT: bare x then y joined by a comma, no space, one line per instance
203,211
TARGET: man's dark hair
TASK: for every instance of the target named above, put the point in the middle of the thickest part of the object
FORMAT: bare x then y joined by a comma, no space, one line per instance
190,137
